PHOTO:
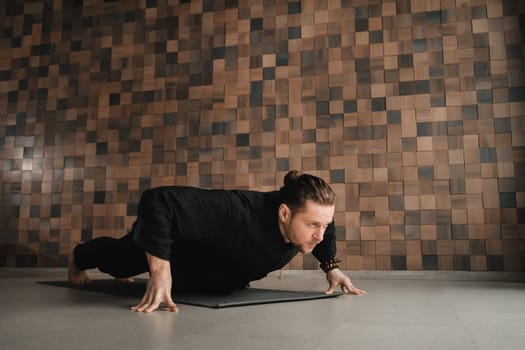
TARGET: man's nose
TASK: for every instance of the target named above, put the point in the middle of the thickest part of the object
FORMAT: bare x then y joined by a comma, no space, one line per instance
319,235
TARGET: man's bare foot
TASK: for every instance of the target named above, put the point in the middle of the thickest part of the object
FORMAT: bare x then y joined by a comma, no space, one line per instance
124,279
74,274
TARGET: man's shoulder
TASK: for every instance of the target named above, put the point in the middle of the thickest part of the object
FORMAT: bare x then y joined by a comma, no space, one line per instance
233,191
253,194
175,191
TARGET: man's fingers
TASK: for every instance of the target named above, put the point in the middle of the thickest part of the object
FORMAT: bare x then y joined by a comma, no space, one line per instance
151,308
140,307
157,295
146,307
150,304
140,304
171,306
146,303
353,290
337,278
359,292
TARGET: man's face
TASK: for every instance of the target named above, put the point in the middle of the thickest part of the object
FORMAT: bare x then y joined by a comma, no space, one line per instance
306,228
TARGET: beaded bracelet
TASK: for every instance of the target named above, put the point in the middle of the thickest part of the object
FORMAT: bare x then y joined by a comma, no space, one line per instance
330,265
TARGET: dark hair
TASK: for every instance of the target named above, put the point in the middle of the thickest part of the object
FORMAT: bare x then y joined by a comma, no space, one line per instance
298,188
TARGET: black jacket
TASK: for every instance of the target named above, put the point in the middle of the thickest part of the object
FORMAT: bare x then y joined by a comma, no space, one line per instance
217,239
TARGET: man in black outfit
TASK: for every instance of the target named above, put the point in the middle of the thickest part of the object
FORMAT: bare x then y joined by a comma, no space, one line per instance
192,239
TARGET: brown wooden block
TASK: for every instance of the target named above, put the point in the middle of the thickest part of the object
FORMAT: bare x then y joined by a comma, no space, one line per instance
478,263
494,247
369,263
428,232
368,248
383,248
414,263
445,263
445,248
383,263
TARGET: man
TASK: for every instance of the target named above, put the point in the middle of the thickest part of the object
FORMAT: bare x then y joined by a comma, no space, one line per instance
192,239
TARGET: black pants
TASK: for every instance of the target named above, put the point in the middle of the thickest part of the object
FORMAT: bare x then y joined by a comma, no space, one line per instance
121,257
116,257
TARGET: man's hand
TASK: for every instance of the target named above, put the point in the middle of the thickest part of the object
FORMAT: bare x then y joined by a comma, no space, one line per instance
158,290
336,278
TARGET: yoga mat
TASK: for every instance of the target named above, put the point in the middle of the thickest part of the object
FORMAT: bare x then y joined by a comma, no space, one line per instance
248,296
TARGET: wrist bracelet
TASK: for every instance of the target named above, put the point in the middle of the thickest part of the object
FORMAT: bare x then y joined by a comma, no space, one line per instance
330,265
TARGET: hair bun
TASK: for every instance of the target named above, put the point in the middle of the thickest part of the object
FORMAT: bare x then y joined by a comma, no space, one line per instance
300,187
291,177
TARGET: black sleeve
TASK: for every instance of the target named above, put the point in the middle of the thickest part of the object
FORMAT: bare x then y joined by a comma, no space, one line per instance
152,230
325,251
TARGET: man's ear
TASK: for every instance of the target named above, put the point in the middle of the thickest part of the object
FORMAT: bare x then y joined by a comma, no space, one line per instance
284,212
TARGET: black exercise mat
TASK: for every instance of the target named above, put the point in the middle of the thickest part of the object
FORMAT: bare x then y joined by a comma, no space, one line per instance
248,296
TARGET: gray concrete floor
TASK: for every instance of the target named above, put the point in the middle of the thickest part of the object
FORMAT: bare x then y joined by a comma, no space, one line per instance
400,311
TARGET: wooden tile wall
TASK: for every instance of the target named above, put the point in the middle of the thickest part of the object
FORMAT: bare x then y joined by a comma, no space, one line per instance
413,110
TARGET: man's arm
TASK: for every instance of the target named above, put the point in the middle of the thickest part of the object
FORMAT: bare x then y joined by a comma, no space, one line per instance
325,253
158,289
